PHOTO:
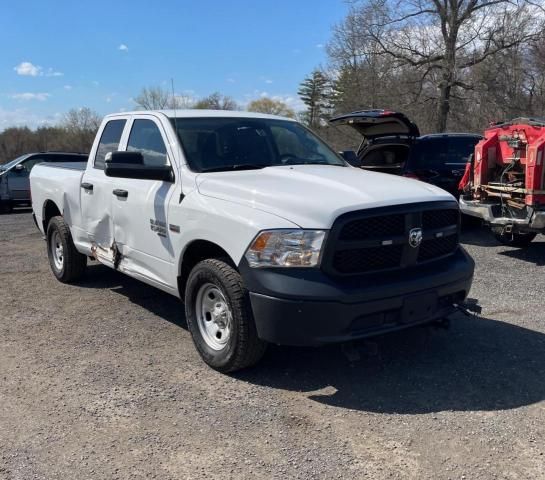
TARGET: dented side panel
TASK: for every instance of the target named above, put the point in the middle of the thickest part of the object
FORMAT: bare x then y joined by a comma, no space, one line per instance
96,211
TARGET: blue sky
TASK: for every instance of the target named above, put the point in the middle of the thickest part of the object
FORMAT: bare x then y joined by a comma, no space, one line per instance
58,55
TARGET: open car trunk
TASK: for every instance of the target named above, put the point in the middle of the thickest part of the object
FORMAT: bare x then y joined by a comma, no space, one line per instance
386,138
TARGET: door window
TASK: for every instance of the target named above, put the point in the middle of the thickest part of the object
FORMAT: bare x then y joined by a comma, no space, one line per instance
109,141
145,137
27,166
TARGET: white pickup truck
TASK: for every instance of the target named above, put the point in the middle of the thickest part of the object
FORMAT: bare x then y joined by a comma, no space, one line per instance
265,233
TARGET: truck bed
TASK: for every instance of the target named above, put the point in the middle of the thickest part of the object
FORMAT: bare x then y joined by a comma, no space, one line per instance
59,183
69,165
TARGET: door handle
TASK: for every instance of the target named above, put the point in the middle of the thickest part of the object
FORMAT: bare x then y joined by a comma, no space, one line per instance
120,193
87,186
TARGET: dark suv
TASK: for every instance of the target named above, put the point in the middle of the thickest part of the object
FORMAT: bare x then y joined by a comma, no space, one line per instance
14,175
392,144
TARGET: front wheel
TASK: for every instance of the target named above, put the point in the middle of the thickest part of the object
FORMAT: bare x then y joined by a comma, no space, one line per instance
219,317
67,264
515,239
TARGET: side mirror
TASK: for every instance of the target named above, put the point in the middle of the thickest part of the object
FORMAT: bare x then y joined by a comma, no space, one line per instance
19,168
134,158
351,157
141,172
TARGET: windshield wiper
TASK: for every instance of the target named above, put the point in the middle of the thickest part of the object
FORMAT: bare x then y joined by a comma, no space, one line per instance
229,168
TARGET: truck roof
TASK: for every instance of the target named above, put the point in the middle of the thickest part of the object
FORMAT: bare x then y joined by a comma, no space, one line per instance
198,113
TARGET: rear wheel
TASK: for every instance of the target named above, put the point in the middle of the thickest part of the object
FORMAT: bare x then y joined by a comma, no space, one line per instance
6,207
67,264
219,317
515,239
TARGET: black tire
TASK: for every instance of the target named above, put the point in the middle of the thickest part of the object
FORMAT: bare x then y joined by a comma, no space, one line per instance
73,263
243,347
6,207
515,239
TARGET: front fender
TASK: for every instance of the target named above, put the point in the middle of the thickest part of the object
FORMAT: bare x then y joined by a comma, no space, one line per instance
226,224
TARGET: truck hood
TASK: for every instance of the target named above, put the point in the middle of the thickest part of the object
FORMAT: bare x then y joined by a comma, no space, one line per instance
313,196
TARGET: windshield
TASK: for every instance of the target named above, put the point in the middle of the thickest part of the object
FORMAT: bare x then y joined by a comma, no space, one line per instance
231,143
8,165
441,152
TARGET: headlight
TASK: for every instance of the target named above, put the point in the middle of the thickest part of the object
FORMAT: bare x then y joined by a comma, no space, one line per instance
286,248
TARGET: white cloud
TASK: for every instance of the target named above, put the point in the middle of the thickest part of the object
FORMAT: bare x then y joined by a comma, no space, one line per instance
123,48
230,80
24,117
296,51
269,81
53,73
68,87
292,101
28,69
319,45
30,96
96,83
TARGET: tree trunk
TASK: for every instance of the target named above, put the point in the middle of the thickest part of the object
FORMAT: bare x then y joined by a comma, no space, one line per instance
445,88
444,106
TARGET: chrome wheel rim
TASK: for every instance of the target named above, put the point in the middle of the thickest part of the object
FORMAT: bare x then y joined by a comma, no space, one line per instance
214,317
57,250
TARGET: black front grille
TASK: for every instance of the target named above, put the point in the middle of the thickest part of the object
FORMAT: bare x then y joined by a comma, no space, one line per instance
378,239
433,219
373,227
437,247
363,260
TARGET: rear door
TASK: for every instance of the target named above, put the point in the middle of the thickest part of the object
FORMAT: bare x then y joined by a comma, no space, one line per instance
96,191
441,160
140,207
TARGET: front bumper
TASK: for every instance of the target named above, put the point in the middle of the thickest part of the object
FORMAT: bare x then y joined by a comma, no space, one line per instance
489,212
307,307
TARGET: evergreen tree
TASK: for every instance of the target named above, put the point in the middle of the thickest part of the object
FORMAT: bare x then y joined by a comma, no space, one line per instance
315,92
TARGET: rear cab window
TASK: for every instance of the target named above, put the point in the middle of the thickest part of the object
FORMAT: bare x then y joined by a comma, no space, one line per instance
109,141
438,153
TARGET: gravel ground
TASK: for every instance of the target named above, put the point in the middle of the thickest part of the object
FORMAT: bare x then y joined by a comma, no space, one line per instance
101,380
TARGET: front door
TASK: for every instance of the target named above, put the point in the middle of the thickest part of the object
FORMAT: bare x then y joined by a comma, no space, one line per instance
19,180
140,208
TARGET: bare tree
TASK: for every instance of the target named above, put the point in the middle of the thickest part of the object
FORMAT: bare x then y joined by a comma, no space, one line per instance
159,98
81,125
271,106
216,101
153,98
444,39
79,119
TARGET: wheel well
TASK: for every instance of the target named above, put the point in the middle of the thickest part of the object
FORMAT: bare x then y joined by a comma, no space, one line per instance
197,251
50,210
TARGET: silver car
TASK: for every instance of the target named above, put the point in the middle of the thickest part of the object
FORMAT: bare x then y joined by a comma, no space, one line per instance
14,176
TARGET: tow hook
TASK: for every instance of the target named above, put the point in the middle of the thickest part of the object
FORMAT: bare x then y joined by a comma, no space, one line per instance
469,307
508,229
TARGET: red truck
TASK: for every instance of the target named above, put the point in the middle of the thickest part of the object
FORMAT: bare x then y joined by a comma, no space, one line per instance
504,184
